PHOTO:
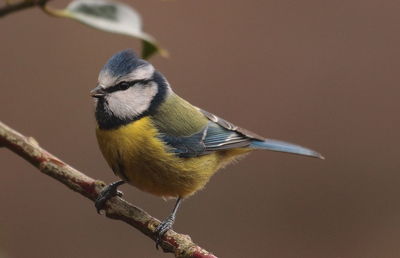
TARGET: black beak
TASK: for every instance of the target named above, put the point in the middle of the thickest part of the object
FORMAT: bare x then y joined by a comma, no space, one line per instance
97,92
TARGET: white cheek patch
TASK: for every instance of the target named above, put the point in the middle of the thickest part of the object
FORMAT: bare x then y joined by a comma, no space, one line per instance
133,101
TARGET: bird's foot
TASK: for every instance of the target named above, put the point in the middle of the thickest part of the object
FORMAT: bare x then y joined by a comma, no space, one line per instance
162,229
107,193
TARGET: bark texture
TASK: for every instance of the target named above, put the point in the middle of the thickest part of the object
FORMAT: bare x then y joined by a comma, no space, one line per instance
117,208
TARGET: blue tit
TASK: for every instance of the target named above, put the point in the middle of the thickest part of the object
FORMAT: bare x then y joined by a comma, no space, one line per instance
160,143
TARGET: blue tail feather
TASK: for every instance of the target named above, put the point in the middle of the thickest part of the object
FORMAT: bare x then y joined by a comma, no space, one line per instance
281,146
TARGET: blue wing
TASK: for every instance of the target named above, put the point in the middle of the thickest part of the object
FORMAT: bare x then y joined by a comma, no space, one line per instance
220,134
211,138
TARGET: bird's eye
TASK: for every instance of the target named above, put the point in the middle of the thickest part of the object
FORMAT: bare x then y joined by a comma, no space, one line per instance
123,85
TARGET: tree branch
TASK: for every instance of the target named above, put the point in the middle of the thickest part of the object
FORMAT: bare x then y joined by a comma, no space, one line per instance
117,208
14,7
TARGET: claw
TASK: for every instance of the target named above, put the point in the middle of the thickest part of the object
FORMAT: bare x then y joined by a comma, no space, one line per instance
119,193
162,229
107,193
166,224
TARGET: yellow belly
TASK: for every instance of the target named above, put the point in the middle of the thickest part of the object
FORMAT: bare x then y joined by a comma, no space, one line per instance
136,154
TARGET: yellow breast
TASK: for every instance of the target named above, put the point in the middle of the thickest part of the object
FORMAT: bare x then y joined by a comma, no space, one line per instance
137,155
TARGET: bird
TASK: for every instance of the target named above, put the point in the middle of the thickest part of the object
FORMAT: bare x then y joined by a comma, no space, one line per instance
160,143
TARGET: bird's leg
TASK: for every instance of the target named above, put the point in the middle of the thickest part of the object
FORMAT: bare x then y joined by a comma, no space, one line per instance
107,193
167,223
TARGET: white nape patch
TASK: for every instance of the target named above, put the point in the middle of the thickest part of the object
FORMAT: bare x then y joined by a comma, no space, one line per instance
133,101
169,89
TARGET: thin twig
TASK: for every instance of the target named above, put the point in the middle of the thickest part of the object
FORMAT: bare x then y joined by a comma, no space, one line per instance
117,208
12,7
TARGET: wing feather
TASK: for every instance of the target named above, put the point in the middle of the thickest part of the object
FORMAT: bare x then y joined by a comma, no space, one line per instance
231,127
218,134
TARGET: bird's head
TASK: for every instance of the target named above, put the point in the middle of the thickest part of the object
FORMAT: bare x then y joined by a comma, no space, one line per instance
128,88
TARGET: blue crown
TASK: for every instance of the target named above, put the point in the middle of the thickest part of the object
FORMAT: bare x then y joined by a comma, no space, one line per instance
123,63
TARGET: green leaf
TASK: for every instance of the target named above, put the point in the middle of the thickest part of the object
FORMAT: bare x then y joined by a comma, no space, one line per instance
148,49
112,17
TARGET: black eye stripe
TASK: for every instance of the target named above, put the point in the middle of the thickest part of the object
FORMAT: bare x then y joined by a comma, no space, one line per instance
124,85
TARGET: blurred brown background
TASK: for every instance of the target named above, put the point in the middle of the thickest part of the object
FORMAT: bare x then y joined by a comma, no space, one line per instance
324,74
